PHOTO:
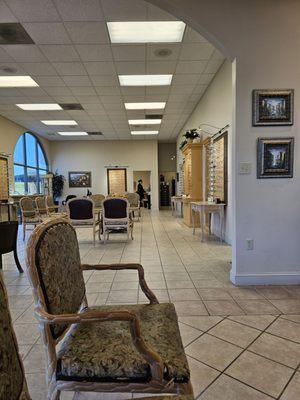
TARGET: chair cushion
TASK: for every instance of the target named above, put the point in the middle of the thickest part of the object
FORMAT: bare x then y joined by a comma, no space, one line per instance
104,351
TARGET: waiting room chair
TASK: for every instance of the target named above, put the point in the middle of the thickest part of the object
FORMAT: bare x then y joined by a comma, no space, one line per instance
69,197
113,348
8,242
116,217
41,207
29,213
13,384
98,200
81,213
134,202
53,208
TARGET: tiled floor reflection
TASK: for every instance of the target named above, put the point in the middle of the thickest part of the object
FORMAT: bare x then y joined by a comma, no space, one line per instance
241,343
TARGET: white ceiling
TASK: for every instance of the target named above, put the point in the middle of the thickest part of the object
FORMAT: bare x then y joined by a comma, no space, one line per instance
73,61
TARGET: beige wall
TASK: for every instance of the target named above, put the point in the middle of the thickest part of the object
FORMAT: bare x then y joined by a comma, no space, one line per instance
94,156
165,153
215,108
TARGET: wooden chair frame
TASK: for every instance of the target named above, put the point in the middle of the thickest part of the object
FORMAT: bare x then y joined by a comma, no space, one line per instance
156,385
106,227
26,218
136,206
93,222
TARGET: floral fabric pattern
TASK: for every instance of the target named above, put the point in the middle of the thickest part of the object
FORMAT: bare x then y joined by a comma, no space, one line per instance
59,268
104,351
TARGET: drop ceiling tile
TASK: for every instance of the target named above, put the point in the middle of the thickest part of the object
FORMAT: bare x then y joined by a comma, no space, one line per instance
129,52
59,52
111,100
205,79
160,67
156,97
100,68
157,14
50,81
190,67
5,14
24,53
18,70
61,98
83,90
213,66
196,51
199,89
185,79
47,32
93,52
191,36
79,10
13,100
4,57
217,55
154,90
133,99
87,32
92,107
108,90
152,50
36,91
122,10
113,107
33,10
128,67
58,91
80,80
104,80
182,89
38,68
70,68
131,91
87,99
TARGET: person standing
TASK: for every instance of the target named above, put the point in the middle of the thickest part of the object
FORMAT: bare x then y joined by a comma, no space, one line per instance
140,190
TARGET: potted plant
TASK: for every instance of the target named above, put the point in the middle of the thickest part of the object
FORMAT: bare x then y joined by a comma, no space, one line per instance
191,135
182,144
58,182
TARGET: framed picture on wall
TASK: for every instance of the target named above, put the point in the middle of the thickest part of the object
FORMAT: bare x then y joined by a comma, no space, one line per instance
272,107
79,179
275,157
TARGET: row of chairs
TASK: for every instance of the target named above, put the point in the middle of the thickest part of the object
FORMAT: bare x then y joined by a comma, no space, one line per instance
112,348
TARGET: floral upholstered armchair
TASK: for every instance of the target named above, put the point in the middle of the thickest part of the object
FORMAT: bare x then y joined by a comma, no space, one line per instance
119,348
12,378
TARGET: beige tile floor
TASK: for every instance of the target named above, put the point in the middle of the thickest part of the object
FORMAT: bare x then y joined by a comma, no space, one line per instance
241,343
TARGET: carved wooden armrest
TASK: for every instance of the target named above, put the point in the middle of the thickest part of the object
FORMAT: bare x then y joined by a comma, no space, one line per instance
102,267
155,361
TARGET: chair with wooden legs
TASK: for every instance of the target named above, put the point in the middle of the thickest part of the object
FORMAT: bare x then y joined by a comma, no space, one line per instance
13,384
113,348
29,213
116,217
134,203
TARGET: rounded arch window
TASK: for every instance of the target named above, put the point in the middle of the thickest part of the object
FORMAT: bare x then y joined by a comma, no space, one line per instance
30,163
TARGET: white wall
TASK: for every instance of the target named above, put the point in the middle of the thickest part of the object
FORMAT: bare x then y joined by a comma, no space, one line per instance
215,108
94,156
262,37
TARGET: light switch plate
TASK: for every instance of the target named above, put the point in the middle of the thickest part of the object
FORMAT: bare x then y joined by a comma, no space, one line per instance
245,168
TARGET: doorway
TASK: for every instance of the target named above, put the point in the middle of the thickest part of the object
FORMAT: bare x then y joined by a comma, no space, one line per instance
116,181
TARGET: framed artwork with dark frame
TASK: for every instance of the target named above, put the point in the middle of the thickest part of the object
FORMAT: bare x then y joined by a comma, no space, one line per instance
79,179
272,107
275,157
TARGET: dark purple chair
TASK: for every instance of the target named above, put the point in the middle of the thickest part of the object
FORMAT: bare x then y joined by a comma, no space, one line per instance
8,241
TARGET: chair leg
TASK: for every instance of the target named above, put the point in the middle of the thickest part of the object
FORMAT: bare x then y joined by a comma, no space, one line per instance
54,395
17,261
0,261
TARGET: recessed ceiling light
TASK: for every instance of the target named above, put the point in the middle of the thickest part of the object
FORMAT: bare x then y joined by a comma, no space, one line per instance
145,106
17,81
62,122
73,133
144,121
39,107
144,132
146,31
145,80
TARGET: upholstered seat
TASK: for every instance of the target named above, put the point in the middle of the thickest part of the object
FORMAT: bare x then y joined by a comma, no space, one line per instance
12,379
114,357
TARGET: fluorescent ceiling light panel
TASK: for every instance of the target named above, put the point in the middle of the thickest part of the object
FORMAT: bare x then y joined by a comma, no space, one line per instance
145,106
62,122
17,81
73,133
144,121
144,132
146,31
40,107
145,80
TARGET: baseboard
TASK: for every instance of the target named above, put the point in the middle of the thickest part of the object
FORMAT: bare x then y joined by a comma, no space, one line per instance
266,279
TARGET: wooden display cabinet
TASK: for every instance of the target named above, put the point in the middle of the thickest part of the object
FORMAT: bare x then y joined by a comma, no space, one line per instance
192,179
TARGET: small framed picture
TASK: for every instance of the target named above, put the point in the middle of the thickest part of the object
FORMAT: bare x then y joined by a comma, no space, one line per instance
272,107
275,158
79,179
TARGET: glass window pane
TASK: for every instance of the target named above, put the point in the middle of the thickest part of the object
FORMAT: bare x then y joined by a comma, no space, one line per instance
19,151
42,161
19,179
32,181
30,142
